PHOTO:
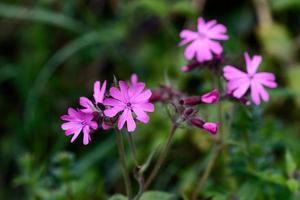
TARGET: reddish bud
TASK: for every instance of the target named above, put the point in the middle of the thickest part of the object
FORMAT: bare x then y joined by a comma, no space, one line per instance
197,122
155,97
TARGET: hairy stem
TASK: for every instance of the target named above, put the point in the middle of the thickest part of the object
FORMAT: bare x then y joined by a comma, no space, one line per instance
162,156
122,156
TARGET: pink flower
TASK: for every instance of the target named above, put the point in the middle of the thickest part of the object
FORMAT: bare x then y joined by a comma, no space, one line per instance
78,121
99,94
128,100
239,82
204,42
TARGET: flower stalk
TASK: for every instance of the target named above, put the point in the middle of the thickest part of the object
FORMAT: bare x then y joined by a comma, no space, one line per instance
121,150
162,156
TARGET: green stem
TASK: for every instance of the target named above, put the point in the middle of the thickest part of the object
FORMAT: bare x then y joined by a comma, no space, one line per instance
137,175
207,171
162,156
122,156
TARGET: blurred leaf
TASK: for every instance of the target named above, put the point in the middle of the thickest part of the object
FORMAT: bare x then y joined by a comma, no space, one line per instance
290,163
57,59
248,191
40,15
118,197
274,39
272,177
293,185
293,74
279,5
155,195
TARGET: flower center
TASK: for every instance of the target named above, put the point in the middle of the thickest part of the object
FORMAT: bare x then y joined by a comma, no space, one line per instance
83,123
128,105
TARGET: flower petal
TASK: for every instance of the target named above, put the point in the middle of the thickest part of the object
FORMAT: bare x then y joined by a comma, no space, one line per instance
187,36
116,93
86,135
142,97
111,112
130,122
231,72
252,64
87,104
99,93
141,115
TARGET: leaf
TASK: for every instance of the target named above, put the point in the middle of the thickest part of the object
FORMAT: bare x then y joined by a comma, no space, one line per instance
40,15
51,66
293,185
248,191
290,163
279,5
274,38
157,195
293,74
118,197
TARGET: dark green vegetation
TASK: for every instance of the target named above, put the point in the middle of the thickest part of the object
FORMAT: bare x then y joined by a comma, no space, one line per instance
52,51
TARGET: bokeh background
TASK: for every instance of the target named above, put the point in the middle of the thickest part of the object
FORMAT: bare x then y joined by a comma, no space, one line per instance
52,51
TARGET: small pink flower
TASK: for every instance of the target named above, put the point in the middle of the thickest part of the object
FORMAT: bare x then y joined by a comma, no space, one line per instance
204,42
239,82
128,100
78,121
211,97
211,127
99,94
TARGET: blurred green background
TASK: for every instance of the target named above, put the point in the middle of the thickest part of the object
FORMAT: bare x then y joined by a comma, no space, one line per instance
52,51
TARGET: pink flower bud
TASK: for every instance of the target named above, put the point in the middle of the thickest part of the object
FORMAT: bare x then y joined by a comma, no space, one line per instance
191,101
211,127
211,97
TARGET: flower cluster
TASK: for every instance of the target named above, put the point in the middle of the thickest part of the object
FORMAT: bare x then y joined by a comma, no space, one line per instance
125,103
205,43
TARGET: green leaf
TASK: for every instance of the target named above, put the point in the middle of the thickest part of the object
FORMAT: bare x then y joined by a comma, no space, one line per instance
290,163
51,66
118,197
157,195
276,37
40,15
293,185
248,191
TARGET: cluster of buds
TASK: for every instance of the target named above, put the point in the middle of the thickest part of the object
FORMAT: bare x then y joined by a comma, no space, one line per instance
186,107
